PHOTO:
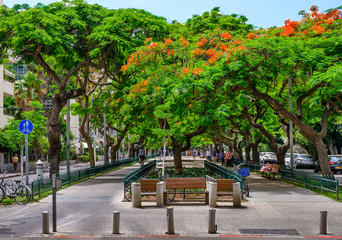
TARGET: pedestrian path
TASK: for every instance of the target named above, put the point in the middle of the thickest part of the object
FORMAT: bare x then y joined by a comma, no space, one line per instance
274,210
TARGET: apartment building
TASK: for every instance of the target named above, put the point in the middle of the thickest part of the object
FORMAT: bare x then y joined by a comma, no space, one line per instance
6,89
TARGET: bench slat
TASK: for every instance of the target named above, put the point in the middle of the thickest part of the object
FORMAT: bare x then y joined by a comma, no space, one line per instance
148,185
185,183
225,185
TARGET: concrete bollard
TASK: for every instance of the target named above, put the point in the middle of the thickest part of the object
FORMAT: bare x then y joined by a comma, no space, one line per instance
170,221
136,194
45,223
236,195
212,228
116,222
160,196
323,227
212,194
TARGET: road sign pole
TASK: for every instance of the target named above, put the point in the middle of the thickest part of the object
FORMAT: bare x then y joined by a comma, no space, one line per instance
26,160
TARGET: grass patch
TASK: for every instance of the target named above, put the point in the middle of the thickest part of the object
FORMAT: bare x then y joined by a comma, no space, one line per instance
328,194
187,172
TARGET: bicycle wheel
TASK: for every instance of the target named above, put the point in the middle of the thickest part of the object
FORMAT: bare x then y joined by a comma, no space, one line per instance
22,194
2,194
171,196
128,192
246,188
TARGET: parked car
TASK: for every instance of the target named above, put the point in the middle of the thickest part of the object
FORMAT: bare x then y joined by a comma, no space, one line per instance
299,160
335,162
268,157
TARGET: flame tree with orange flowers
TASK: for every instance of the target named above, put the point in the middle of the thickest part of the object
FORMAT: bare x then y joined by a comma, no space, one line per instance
183,79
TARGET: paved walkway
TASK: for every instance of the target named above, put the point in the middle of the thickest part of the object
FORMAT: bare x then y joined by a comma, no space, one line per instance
275,210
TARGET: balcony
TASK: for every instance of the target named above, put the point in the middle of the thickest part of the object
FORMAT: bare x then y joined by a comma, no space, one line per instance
8,85
8,88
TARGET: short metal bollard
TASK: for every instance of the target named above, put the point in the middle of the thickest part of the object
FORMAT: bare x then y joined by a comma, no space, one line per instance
170,221
323,228
212,228
45,223
116,222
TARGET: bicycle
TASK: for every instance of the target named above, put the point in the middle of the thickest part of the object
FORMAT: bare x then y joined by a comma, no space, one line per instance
128,189
20,192
243,172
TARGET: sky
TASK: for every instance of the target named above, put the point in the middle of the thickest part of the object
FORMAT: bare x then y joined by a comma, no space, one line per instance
261,13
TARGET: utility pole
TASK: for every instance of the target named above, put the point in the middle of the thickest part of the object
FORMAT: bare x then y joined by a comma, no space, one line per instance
68,137
104,135
290,123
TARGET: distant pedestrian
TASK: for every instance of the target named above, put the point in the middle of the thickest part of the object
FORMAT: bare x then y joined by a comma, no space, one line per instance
222,158
15,161
208,155
228,159
142,155
213,155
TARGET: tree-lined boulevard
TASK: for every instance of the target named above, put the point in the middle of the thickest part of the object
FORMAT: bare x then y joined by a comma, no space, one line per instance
213,80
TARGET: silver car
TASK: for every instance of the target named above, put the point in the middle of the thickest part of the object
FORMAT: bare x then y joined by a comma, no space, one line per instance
299,160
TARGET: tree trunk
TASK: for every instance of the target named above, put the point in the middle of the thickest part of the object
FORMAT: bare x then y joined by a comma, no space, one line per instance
90,146
322,156
248,152
53,131
177,157
280,153
255,153
131,151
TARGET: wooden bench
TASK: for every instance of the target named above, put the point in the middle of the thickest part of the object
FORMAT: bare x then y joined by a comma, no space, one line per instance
148,187
191,185
274,170
224,187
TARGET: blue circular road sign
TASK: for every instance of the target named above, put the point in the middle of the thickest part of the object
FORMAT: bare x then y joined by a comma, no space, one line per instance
25,126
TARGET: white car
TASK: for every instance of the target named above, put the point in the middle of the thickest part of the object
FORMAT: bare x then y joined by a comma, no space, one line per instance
268,157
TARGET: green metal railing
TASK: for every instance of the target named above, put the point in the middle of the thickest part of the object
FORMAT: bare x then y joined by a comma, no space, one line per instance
39,186
139,173
314,180
223,172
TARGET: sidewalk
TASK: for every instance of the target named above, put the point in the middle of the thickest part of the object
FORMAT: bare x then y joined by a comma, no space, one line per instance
274,210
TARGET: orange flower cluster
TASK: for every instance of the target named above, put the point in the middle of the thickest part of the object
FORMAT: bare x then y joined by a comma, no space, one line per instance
168,41
318,29
140,87
195,71
157,89
251,36
226,36
289,28
183,42
197,52
148,40
202,42
172,52
223,47
213,55
153,45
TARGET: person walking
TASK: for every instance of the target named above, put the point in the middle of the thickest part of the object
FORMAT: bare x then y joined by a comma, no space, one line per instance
142,155
15,161
228,159
222,158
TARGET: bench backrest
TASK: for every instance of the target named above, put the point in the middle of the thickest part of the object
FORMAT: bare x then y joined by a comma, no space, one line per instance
148,185
275,168
225,185
185,183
